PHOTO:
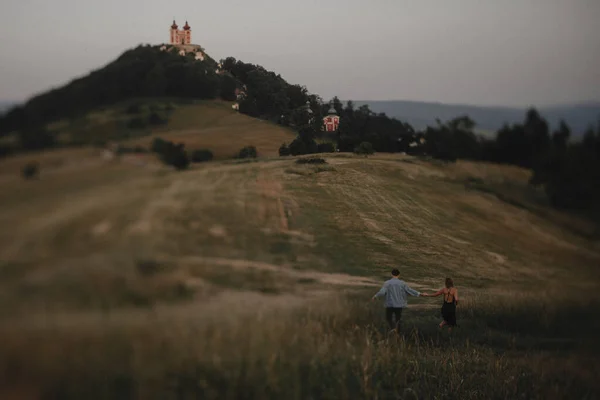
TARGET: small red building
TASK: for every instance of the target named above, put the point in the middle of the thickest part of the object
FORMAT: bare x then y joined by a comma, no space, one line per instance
332,120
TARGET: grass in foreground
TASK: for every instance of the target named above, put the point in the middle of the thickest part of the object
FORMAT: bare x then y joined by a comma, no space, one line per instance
229,281
336,350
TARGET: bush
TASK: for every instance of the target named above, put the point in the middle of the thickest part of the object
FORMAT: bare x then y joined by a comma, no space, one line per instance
284,150
325,148
136,123
158,145
311,160
302,146
365,148
134,109
201,155
248,152
6,150
156,119
31,170
175,155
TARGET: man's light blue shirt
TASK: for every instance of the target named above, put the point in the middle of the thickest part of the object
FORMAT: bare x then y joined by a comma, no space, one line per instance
396,292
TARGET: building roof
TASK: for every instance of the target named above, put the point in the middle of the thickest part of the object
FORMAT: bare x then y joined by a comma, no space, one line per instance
174,26
186,26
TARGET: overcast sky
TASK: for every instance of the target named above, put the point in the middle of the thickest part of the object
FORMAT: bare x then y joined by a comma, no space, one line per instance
488,52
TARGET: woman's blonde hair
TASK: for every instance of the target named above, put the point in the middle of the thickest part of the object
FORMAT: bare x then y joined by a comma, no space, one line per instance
449,282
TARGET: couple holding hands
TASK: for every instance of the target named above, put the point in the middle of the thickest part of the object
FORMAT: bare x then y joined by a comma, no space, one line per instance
396,292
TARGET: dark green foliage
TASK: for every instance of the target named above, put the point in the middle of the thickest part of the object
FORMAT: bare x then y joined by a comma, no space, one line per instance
31,170
201,155
171,154
32,138
311,160
158,145
136,123
325,148
284,150
227,88
6,150
156,119
365,148
300,146
248,152
134,109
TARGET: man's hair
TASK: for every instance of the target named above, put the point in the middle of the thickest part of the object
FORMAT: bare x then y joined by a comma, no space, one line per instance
395,272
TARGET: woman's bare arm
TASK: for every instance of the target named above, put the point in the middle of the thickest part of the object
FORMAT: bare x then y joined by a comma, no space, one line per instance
456,295
436,294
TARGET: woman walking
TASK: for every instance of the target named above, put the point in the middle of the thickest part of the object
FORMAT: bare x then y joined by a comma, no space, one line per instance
449,305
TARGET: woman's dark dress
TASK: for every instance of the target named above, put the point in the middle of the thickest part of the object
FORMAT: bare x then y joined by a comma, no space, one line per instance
449,309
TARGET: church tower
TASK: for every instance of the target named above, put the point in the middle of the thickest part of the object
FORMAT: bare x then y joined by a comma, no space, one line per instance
181,37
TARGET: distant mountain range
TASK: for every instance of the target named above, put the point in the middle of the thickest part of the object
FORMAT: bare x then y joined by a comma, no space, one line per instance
488,119
5,105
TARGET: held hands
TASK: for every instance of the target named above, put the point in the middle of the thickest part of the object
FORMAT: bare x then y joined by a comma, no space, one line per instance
424,295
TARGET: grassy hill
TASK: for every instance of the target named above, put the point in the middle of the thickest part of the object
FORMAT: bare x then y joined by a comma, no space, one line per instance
208,124
252,280
489,119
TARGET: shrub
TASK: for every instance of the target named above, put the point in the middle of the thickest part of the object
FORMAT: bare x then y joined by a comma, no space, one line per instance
134,109
156,119
158,145
6,150
302,146
311,160
364,148
136,123
284,150
175,155
248,152
31,170
201,155
325,148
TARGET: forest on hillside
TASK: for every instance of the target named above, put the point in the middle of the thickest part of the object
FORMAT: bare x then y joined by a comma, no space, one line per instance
568,170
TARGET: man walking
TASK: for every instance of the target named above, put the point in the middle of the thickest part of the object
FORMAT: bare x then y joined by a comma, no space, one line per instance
395,291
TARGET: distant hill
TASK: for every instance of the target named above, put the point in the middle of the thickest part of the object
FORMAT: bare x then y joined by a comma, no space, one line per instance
488,119
5,105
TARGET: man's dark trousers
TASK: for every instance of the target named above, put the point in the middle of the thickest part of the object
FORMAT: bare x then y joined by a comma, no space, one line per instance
390,312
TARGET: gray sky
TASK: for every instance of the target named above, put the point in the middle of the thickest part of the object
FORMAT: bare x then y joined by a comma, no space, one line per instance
489,52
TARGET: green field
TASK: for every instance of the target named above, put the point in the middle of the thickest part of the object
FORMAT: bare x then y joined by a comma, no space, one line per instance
252,279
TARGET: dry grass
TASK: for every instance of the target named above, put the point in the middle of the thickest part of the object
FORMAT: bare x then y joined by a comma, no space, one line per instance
215,126
245,281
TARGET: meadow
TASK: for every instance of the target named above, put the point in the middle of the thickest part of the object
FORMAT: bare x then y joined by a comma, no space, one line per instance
253,279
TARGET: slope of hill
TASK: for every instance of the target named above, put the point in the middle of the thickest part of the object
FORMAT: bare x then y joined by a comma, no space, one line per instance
252,280
488,119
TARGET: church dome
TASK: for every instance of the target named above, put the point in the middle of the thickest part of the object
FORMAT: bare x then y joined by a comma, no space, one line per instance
187,27
174,26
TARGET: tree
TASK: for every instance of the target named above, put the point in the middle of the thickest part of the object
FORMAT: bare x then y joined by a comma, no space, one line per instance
248,152
175,155
284,150
227,89
365,148
303,145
